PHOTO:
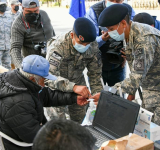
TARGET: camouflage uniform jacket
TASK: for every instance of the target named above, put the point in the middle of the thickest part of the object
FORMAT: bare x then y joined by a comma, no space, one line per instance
5,31
67,62
14,16
143,56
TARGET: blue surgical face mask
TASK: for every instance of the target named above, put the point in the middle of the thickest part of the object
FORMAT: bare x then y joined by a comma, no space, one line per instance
115,35
109,3
81,48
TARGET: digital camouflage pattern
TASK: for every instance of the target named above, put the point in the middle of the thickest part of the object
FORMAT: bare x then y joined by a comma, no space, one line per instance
143,55
151,102
5,59
5,36
67,62
5,31
14,16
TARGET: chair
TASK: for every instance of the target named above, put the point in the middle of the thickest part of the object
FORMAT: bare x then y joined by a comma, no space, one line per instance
22,144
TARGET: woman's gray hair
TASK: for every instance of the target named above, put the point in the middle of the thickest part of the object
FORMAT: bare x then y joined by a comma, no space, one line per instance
28,75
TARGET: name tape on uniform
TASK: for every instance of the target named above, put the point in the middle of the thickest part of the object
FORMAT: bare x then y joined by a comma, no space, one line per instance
56,55
139,65
54,63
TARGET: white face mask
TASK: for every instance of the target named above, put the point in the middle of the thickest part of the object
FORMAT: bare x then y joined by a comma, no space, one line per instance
115,35
81,48
109,3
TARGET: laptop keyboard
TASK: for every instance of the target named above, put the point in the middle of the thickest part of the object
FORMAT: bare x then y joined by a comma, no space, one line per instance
100,137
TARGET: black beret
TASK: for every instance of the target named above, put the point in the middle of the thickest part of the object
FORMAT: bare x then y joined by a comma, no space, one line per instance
112,15
129,9
85,29
144,18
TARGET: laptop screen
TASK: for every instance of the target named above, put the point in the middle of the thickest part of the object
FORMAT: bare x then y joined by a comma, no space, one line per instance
115,115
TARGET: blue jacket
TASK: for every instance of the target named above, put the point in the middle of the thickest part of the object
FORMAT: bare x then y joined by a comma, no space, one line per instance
92,17
157,23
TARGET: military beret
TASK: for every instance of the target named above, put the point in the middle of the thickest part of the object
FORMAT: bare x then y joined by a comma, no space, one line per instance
129,9
85,29
144,18
112,15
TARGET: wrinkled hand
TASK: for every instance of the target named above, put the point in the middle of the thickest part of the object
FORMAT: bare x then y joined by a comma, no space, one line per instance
81,101
105,36
82,90
124,57
131,97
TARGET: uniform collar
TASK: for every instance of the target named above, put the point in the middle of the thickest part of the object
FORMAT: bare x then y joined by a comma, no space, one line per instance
13,13
130,43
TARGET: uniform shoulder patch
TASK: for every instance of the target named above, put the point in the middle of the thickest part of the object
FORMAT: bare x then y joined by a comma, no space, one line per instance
139,65
56,55
54,63
128,57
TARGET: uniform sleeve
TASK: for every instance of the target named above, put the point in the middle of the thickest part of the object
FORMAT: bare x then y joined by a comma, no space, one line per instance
143,59
55,57
95,72
17,37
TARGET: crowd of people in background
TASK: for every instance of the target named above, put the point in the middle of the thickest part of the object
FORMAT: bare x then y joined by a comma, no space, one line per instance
38,70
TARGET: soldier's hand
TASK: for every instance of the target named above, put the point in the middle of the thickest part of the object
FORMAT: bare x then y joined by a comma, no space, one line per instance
105,36
96,97
82,90
81,101
124,57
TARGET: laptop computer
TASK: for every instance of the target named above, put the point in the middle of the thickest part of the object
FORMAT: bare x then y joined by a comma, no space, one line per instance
115,117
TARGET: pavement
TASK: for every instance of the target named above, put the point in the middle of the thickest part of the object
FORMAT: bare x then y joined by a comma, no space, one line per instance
61,20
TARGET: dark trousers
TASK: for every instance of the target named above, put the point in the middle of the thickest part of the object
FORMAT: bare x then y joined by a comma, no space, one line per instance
114,76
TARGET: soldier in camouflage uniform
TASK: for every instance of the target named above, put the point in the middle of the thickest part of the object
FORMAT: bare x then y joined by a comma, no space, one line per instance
14,9
143,55
5,35
68,55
